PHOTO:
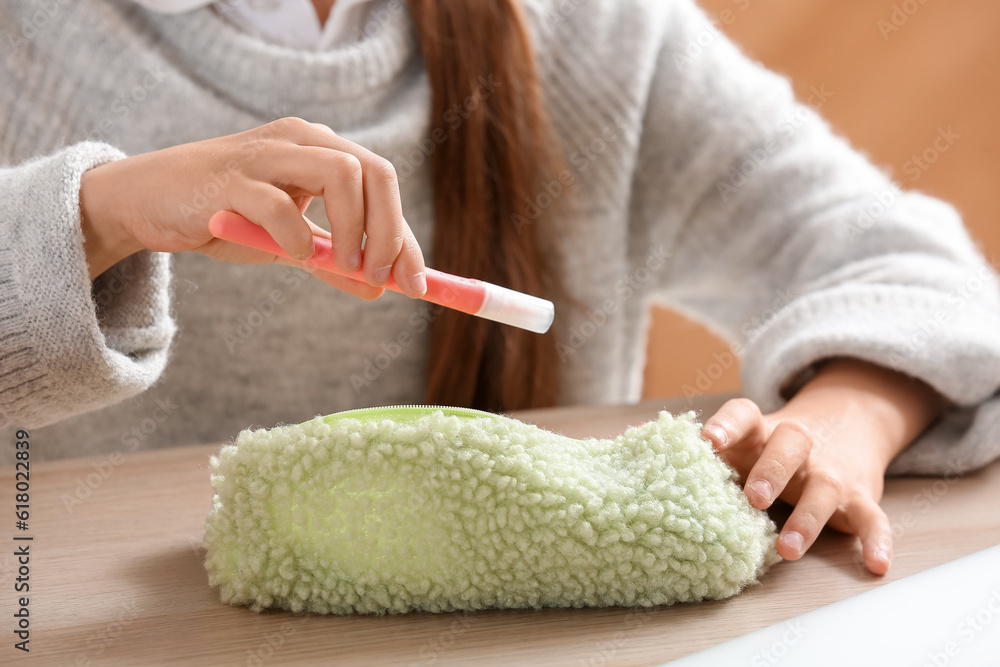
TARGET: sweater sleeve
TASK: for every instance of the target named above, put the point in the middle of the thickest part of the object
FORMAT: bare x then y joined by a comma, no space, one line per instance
67,344
793,247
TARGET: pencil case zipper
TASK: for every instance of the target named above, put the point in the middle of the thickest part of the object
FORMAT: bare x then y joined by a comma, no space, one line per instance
402,413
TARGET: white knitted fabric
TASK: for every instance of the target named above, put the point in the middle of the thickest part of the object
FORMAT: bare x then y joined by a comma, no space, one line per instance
698,182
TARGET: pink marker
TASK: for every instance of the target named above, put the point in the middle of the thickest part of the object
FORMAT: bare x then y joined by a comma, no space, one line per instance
475,297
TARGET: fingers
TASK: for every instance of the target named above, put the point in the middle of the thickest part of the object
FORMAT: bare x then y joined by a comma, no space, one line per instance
787,449
344,284
821,497
389,237
224,251
776,456
390,241
346,212
353,287
361,194
409,266
273,209
316,229
383,222
232,252
872,525
820,500
334,175
303,201
737,421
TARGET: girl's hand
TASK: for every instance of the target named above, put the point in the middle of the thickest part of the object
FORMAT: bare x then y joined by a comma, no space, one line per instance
826,452
162,201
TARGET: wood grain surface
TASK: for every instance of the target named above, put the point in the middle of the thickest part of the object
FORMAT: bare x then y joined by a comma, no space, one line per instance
118,577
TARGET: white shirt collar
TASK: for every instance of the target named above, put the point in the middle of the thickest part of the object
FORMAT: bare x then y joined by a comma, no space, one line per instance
291,23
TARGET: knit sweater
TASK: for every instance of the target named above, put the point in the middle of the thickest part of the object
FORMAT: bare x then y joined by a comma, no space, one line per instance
696,181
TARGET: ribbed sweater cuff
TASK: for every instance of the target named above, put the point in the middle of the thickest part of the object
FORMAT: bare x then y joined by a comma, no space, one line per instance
893,326
22,378
68,345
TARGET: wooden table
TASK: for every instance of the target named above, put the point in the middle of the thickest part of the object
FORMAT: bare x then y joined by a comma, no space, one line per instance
118,578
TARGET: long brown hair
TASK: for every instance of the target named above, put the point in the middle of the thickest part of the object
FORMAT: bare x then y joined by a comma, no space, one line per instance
497,149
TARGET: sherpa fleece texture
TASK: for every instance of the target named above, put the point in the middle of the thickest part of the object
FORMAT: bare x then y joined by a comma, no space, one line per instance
441,512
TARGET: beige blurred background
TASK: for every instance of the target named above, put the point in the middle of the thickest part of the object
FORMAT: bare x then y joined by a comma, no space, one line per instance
892,91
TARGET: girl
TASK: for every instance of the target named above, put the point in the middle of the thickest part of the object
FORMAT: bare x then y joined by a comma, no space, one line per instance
602,153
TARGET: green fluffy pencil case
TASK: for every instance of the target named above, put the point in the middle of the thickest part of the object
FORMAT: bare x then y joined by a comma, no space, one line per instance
440,509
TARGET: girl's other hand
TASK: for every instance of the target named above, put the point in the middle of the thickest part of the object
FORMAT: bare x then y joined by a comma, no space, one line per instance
163,200
826,452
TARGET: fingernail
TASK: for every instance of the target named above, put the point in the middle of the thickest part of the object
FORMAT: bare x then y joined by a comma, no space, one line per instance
354,261
419,283
762,488
794,540
382,274
718,433
883,550
306,255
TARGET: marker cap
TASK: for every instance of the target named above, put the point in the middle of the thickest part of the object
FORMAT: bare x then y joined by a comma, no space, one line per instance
516,309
